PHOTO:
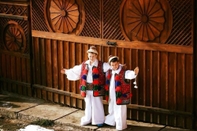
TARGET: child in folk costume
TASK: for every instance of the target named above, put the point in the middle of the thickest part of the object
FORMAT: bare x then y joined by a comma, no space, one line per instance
92,81
118,92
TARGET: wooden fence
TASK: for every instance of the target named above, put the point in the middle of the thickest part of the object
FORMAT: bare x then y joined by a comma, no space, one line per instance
165,94
165,80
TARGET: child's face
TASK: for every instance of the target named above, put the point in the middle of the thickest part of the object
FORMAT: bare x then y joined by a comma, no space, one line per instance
114,65
92,57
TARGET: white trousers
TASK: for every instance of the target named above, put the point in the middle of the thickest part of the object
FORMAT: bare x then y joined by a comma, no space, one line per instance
117,115
94,111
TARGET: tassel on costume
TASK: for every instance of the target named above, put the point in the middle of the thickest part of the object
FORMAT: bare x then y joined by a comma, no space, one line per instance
135,83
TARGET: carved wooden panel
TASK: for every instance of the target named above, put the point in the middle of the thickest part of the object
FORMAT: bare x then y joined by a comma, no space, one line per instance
107,19
14,9
7,26
181,33
14,27
111,20
14,43
13,37
146,20
64,16
92,26
38,21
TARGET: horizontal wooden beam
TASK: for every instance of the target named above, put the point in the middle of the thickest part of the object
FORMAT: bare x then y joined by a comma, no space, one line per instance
130,106
16,3
11,16
119,43
16,54
60,92
15,82
159,110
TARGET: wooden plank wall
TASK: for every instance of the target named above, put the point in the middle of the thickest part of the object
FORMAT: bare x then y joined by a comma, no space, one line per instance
15,74
165,80
15,67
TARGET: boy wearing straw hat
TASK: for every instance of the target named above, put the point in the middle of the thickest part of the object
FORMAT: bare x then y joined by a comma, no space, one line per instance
92,81
118,92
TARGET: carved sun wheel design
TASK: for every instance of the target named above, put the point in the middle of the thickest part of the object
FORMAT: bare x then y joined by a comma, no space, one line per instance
64,15
14,37
146,20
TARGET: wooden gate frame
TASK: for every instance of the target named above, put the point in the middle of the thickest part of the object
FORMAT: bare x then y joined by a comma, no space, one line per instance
139,47
195,64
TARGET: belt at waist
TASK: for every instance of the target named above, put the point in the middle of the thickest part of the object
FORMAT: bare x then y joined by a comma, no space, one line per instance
89,86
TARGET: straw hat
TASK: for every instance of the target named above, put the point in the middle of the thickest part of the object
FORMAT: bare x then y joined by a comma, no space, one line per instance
110,58
92,50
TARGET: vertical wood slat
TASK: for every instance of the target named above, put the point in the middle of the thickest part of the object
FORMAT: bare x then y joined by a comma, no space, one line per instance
66,65
163,86
78,60
172,84
3,63
155,73
8,66
188,91
145,81
72,64
4,70
175,87
135,92
42,61
49,68
54,69
18,71
60,66
37,77
13,73
141,83
23,74
128,53
99,49
29,78
159,83
180,88
151,83
147,87
108,53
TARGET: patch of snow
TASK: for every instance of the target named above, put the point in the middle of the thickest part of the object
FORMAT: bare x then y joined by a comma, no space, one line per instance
35,128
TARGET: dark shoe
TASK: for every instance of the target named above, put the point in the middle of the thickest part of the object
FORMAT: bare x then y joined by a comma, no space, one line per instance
99,125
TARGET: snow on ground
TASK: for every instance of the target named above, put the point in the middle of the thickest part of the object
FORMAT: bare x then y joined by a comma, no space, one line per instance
35,128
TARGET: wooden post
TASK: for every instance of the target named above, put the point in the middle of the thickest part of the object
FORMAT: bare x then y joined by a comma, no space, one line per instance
195,64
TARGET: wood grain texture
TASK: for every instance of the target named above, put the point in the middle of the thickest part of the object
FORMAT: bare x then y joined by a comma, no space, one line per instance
121,44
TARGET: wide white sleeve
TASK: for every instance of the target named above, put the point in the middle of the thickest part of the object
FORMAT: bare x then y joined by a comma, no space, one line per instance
74,73
129,74
106,67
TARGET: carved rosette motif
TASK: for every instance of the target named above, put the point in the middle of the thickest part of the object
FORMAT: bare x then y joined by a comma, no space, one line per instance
146,20
14,38
64,16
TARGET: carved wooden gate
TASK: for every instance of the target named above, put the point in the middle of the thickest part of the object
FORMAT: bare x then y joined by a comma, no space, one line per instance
154,35
15,68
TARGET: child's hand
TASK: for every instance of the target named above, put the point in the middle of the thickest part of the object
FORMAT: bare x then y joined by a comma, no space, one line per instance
63,71
136,70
